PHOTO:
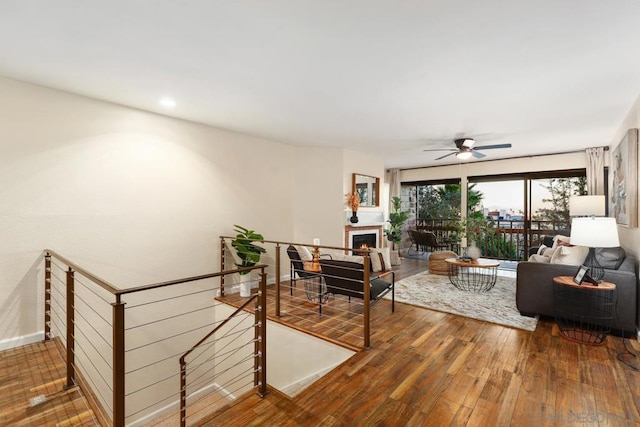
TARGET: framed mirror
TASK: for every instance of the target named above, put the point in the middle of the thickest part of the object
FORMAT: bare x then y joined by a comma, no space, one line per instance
368,188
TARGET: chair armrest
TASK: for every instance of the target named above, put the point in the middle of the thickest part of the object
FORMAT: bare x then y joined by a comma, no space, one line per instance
386,273
327,256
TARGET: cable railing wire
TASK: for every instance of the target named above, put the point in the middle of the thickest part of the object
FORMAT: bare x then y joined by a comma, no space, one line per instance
241,375
167,338
79,298
170,298
79,329
166,318
192,372
228,332
105,417
92,327
89,381
218,354
78,346
87,287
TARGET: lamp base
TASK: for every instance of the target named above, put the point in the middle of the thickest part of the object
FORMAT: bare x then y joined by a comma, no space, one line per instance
596,272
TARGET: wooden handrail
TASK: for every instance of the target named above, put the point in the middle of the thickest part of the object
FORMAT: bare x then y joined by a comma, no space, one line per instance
98,281
187,279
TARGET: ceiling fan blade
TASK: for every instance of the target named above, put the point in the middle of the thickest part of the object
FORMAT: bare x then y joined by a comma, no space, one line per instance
440,149
477,154
491,147
447,155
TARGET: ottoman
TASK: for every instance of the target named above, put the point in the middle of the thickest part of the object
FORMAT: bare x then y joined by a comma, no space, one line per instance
437,264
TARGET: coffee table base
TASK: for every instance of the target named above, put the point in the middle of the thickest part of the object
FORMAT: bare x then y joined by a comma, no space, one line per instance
473,279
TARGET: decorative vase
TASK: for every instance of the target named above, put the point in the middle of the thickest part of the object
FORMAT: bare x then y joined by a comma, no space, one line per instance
473,252
354,217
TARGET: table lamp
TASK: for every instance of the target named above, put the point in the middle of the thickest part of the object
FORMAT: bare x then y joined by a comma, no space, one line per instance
594,233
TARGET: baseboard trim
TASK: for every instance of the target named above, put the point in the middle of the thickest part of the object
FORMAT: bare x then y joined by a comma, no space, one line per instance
8,343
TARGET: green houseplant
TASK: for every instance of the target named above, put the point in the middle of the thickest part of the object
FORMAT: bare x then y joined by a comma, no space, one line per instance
396,221
244,244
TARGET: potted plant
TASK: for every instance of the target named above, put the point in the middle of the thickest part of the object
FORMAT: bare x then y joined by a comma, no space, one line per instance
394,232
248,252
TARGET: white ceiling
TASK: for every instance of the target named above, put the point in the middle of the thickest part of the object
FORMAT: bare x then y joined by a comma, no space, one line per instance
388,77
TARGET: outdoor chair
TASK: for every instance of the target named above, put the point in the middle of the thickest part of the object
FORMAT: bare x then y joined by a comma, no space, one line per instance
432,242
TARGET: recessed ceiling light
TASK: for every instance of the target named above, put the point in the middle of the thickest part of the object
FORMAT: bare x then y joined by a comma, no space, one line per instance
167,102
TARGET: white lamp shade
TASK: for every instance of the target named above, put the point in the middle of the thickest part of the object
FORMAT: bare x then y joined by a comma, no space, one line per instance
586,206
595,232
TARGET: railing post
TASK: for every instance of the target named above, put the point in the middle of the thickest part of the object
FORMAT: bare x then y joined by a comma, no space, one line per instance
277,279
366,287
118,363
183,392
47,296
222,267
71,373
261,316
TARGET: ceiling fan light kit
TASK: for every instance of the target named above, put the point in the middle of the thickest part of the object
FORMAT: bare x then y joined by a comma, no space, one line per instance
465,149
464,154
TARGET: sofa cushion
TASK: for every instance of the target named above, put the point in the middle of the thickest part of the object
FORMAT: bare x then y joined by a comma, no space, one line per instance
610,258
570,255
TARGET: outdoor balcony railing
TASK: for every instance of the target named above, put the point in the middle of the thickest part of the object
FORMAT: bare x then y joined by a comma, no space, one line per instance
502,239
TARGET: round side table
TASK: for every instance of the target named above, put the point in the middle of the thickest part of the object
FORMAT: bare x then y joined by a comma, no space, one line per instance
584,312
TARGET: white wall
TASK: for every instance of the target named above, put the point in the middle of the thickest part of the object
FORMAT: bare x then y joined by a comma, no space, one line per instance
629,237
132,196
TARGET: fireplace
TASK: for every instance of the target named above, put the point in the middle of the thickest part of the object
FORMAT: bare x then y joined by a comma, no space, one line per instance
356,236
369,239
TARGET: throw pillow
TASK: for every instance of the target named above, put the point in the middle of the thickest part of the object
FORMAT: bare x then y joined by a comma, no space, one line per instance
541,249
539,258
610,258
305,253
376,261
570,255
561,240
384,257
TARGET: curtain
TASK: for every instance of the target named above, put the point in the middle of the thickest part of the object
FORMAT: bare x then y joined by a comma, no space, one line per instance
394,185
595,171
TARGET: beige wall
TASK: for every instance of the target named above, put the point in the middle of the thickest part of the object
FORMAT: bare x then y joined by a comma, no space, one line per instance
134,197
629,237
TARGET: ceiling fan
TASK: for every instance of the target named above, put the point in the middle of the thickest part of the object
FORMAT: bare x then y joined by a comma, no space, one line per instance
466,147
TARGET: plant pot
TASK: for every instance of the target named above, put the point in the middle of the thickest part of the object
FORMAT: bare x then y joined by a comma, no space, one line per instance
245,288
395,257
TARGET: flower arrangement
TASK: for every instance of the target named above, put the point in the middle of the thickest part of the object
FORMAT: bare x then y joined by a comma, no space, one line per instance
353,201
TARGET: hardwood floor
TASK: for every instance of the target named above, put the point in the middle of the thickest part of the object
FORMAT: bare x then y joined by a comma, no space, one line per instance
35,370
425,368
437,369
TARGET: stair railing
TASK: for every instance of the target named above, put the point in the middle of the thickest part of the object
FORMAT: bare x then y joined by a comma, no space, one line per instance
108,335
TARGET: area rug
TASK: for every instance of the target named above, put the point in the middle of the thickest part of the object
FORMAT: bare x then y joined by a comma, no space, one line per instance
436,292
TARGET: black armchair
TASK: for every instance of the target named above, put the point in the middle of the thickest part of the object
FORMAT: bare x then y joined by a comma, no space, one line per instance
297,266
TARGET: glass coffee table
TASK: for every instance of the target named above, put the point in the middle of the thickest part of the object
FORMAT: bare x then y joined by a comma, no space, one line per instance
476,276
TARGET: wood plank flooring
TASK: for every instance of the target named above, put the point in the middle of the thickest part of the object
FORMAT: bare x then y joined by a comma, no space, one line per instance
33,370
427,368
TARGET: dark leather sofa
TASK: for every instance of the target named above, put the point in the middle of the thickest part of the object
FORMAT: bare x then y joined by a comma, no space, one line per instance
534,289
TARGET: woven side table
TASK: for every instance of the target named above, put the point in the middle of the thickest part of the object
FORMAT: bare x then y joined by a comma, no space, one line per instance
583,312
